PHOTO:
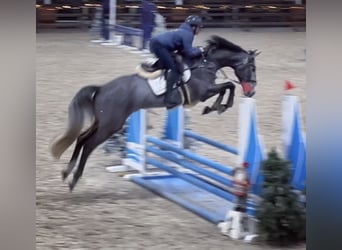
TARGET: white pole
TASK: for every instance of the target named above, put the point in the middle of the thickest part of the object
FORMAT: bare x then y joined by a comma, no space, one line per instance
111,22
112,12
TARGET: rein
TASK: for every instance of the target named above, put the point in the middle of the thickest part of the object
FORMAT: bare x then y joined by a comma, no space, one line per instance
203,62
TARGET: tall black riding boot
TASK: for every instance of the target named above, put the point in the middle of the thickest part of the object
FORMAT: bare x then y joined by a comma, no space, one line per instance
171,98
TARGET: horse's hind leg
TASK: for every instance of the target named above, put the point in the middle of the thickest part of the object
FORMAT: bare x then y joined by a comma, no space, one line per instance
78,147
90,143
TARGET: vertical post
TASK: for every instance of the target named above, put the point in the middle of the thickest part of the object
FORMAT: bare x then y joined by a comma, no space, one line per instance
112,13
251,150
294,146
112,17
135,145
174,126
174,130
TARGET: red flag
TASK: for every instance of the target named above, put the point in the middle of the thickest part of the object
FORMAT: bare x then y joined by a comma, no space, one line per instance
289,85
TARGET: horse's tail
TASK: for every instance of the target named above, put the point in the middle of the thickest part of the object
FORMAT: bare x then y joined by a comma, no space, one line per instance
80,106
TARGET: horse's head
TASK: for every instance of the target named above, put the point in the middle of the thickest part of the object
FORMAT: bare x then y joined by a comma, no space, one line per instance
245,70
227,54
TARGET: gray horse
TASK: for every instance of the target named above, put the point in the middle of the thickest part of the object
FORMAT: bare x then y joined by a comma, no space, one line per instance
111,104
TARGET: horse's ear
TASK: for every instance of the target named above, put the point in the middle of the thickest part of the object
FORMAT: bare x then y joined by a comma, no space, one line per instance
254,52
251,52
257,52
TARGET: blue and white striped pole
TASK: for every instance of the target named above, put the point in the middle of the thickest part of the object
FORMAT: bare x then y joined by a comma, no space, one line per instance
294,145
251,150
174,126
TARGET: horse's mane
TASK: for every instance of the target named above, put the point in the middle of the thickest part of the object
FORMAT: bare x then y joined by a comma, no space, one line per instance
218,42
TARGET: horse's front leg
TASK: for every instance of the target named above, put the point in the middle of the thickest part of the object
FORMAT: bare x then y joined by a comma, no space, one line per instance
221,90
216,104
230,100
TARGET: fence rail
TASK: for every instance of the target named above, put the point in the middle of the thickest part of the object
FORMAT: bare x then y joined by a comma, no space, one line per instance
279,14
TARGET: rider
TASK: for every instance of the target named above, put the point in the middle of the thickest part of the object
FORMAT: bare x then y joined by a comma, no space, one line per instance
180,41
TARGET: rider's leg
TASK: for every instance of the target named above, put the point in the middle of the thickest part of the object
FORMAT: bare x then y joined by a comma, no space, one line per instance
171,100
154,47
173,76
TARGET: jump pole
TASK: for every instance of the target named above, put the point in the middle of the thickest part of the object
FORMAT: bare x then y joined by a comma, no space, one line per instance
189,191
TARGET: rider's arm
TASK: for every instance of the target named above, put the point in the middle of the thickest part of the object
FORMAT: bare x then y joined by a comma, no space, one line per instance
188,50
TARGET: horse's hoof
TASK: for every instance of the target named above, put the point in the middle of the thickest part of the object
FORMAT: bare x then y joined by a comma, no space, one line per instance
221,109
206,110
64,175
71,186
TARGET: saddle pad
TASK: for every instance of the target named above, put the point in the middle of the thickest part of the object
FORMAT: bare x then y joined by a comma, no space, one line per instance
158,85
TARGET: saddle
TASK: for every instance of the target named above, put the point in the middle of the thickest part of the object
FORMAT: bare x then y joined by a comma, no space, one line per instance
153,67
155,74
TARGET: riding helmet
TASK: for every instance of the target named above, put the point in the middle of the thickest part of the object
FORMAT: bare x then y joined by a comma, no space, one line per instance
194,20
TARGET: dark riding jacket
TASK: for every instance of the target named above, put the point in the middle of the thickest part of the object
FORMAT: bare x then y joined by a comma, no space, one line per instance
179,40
